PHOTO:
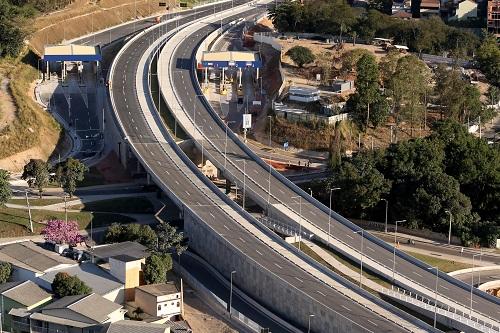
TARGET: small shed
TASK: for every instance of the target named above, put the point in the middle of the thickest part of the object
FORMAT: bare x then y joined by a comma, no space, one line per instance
159,300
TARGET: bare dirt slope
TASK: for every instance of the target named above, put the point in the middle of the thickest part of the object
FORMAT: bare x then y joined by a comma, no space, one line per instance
7,107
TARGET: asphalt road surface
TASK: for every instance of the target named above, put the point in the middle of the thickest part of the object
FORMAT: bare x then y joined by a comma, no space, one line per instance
153,153
257,185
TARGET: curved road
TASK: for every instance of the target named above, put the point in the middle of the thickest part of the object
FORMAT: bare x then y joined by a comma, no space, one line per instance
153,153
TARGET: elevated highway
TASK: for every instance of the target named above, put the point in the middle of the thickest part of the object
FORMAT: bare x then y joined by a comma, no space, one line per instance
287,282
286,202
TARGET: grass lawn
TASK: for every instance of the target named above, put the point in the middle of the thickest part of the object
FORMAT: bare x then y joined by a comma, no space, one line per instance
36,202
131,205
443,264
15,222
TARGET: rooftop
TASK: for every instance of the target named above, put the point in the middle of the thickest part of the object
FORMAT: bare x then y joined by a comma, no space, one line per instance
72,52
26,293
92,306
130,249
159,289
32,257
230,56
98,279
131,326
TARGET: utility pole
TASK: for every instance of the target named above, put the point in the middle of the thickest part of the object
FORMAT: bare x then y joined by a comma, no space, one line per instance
29,211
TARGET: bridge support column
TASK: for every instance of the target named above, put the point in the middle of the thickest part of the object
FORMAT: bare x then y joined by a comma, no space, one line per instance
228,186
257,73
206,76
240,74
148,178
48,70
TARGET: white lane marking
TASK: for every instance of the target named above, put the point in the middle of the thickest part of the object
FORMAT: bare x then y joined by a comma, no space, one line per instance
349,236
241,239
258,252
225,226
204,120
278,266
296,278
187,193
132,120
417,274
345,307
322,294
371,322
369,248
281,191
168,173
313,213
212,215
159,163
177,182
152,154
444,287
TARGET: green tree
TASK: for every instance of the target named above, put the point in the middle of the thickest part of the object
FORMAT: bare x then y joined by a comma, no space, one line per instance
67,285
362,184
168,239
367,86
287,16
409,86
383,6
5,190
69,173
300,55
36,173
156,268
488,57
132,232
5,271
388,66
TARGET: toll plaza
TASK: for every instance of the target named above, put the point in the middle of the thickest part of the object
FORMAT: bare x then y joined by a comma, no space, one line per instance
70,54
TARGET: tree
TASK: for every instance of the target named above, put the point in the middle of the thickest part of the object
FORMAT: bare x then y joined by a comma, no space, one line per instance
409,86
67,285
156,268
36,173
367,82
449,91
132,232
383,6
388,66
5,271
5,190
488,57
69,172
362,184
286,16
168,239
62,232
12,32
300,55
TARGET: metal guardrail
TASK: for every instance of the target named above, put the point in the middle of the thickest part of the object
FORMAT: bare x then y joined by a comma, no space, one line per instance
446,311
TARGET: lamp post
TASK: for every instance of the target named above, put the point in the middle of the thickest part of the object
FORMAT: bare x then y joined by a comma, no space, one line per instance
394,248
231,293
311,191
435,293
309,323
386,210
225,144
449,230
300,219
270,166
472,282
244,180
361,262
330,214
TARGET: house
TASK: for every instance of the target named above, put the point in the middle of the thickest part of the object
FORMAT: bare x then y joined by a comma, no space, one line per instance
20,295
429,8
131,326
75,314
128,270
131,249
464,10
303,94
159,300
341,86
101,281
30,261
493,17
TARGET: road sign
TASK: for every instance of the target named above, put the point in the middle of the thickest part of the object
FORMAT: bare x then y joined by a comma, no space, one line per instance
247,120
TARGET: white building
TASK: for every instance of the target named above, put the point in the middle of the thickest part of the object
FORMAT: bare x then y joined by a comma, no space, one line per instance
159,300
465,10
303,94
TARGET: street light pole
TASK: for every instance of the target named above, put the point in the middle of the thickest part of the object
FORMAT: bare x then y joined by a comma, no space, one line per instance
311,191
394,248
435,293
386,210
225,144
300,219
361,262
231,293
449,230
330,214
472,282
244,180
309,324
270,166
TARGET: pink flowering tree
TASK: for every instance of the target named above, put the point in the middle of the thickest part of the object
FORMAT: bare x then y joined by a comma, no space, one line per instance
62,232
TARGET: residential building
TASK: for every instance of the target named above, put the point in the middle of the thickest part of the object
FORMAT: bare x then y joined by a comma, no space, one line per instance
128,270
131,326
493,18
20,295
101,281
75,314
30,261
299,115
159,300
131,249
341,86
463,10
303,94
427,8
